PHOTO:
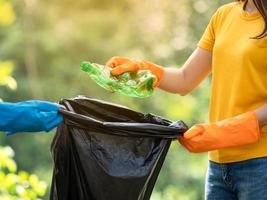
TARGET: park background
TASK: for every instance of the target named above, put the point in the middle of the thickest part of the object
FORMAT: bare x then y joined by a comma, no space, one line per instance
42,43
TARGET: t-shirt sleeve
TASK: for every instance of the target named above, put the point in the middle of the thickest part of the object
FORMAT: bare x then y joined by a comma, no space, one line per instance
208,38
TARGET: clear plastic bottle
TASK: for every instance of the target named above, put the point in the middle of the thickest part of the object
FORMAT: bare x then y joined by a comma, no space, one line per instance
134,84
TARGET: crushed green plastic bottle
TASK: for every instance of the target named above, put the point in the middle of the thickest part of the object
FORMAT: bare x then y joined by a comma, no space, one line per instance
134,84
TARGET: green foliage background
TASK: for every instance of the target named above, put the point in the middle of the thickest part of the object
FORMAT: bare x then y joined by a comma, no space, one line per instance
44,42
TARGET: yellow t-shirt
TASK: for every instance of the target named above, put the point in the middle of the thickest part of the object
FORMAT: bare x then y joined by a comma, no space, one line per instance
239,73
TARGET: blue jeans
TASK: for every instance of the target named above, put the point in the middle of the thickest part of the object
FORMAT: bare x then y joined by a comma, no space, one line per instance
245,180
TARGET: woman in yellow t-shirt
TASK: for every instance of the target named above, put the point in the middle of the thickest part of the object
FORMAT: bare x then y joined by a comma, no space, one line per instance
234,50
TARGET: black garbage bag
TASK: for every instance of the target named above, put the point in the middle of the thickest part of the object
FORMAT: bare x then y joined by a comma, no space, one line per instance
104,151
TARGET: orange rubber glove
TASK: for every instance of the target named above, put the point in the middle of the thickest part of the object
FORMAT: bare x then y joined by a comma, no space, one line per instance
123,64
240,130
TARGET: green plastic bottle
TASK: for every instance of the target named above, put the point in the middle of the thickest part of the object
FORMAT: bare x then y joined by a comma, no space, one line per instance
134,84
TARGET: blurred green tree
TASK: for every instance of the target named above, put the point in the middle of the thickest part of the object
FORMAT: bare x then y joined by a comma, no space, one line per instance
14,185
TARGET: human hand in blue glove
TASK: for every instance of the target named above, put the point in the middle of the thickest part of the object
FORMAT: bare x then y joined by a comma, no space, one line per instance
29,116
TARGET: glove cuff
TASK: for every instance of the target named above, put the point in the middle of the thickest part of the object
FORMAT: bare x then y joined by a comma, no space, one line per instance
157,70
245,125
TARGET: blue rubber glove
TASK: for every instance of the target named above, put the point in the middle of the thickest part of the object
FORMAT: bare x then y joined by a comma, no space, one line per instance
29,116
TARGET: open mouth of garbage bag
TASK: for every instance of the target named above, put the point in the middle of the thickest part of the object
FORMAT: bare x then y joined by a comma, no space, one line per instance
104,151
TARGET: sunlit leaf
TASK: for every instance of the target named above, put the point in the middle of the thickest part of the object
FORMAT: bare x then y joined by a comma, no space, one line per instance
41,188
7,15
8,151
6,69
10,82
11,165
33,179
23,176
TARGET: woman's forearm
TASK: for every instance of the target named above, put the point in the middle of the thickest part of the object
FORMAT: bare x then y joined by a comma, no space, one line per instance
183,80
262,115
173,81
